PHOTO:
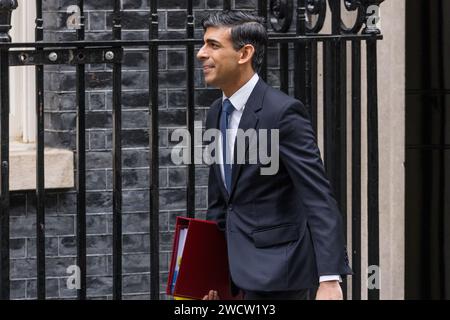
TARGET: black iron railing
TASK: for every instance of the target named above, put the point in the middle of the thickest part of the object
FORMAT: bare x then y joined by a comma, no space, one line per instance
305,41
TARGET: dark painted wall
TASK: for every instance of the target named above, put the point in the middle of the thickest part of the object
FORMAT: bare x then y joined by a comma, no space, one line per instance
427,149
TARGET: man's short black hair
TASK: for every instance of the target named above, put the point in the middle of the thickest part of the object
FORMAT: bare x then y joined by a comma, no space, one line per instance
246,28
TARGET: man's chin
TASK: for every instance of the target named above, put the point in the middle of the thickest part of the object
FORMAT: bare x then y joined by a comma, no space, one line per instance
211,83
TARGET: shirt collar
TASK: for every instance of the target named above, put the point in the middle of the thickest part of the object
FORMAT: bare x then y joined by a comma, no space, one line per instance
240,97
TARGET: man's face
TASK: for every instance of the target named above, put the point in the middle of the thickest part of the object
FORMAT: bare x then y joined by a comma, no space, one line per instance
219,58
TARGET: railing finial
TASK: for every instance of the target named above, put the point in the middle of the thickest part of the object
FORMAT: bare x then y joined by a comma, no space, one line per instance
372,8
6,9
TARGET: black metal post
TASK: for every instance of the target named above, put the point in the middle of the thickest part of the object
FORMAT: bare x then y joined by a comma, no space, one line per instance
341,132
226,4
356,170
311,81
40,174
262,12
190,112
117,161
372,144
328,102
154,155
300,54
373,163
284,67
336,115
81,163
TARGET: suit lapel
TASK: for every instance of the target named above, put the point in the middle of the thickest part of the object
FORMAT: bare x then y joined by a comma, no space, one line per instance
249,120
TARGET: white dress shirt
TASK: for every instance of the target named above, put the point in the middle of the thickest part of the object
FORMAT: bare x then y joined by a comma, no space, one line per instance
238,100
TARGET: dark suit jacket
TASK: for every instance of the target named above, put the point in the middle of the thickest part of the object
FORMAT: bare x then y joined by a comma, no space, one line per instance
283,231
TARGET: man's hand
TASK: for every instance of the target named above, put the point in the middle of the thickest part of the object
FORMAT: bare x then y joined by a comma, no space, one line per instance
329,290
212,295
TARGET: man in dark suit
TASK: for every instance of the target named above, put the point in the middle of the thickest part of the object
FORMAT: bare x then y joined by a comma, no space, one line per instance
284,230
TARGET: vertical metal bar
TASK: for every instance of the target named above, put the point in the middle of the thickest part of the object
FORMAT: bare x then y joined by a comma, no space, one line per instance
335,6
154,155
338,130
335,117
262,12
307,75
4,214
328,107
4,153
299,54
373,162
81,164
356,172
284,67
190,112
341,133
117,161
226,4
40,191
311,81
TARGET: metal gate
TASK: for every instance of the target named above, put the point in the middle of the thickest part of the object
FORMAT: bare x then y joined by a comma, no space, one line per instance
300,42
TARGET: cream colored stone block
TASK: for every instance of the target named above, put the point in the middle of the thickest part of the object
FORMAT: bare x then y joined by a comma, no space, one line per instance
59,168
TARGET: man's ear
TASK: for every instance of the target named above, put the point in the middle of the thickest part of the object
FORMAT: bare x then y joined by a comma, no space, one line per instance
247,52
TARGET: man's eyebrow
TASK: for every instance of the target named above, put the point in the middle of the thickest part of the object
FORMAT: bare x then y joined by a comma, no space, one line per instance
211,40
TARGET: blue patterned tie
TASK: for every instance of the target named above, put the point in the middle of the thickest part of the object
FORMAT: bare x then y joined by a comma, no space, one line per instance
227,110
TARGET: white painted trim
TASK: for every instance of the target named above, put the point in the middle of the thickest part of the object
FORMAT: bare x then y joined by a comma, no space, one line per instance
22,79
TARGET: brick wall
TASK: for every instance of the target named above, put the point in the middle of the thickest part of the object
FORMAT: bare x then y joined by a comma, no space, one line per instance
60,123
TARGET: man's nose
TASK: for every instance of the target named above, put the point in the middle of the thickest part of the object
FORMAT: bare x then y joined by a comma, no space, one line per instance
201,54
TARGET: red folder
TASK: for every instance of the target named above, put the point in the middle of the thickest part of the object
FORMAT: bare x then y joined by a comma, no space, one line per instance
204,262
